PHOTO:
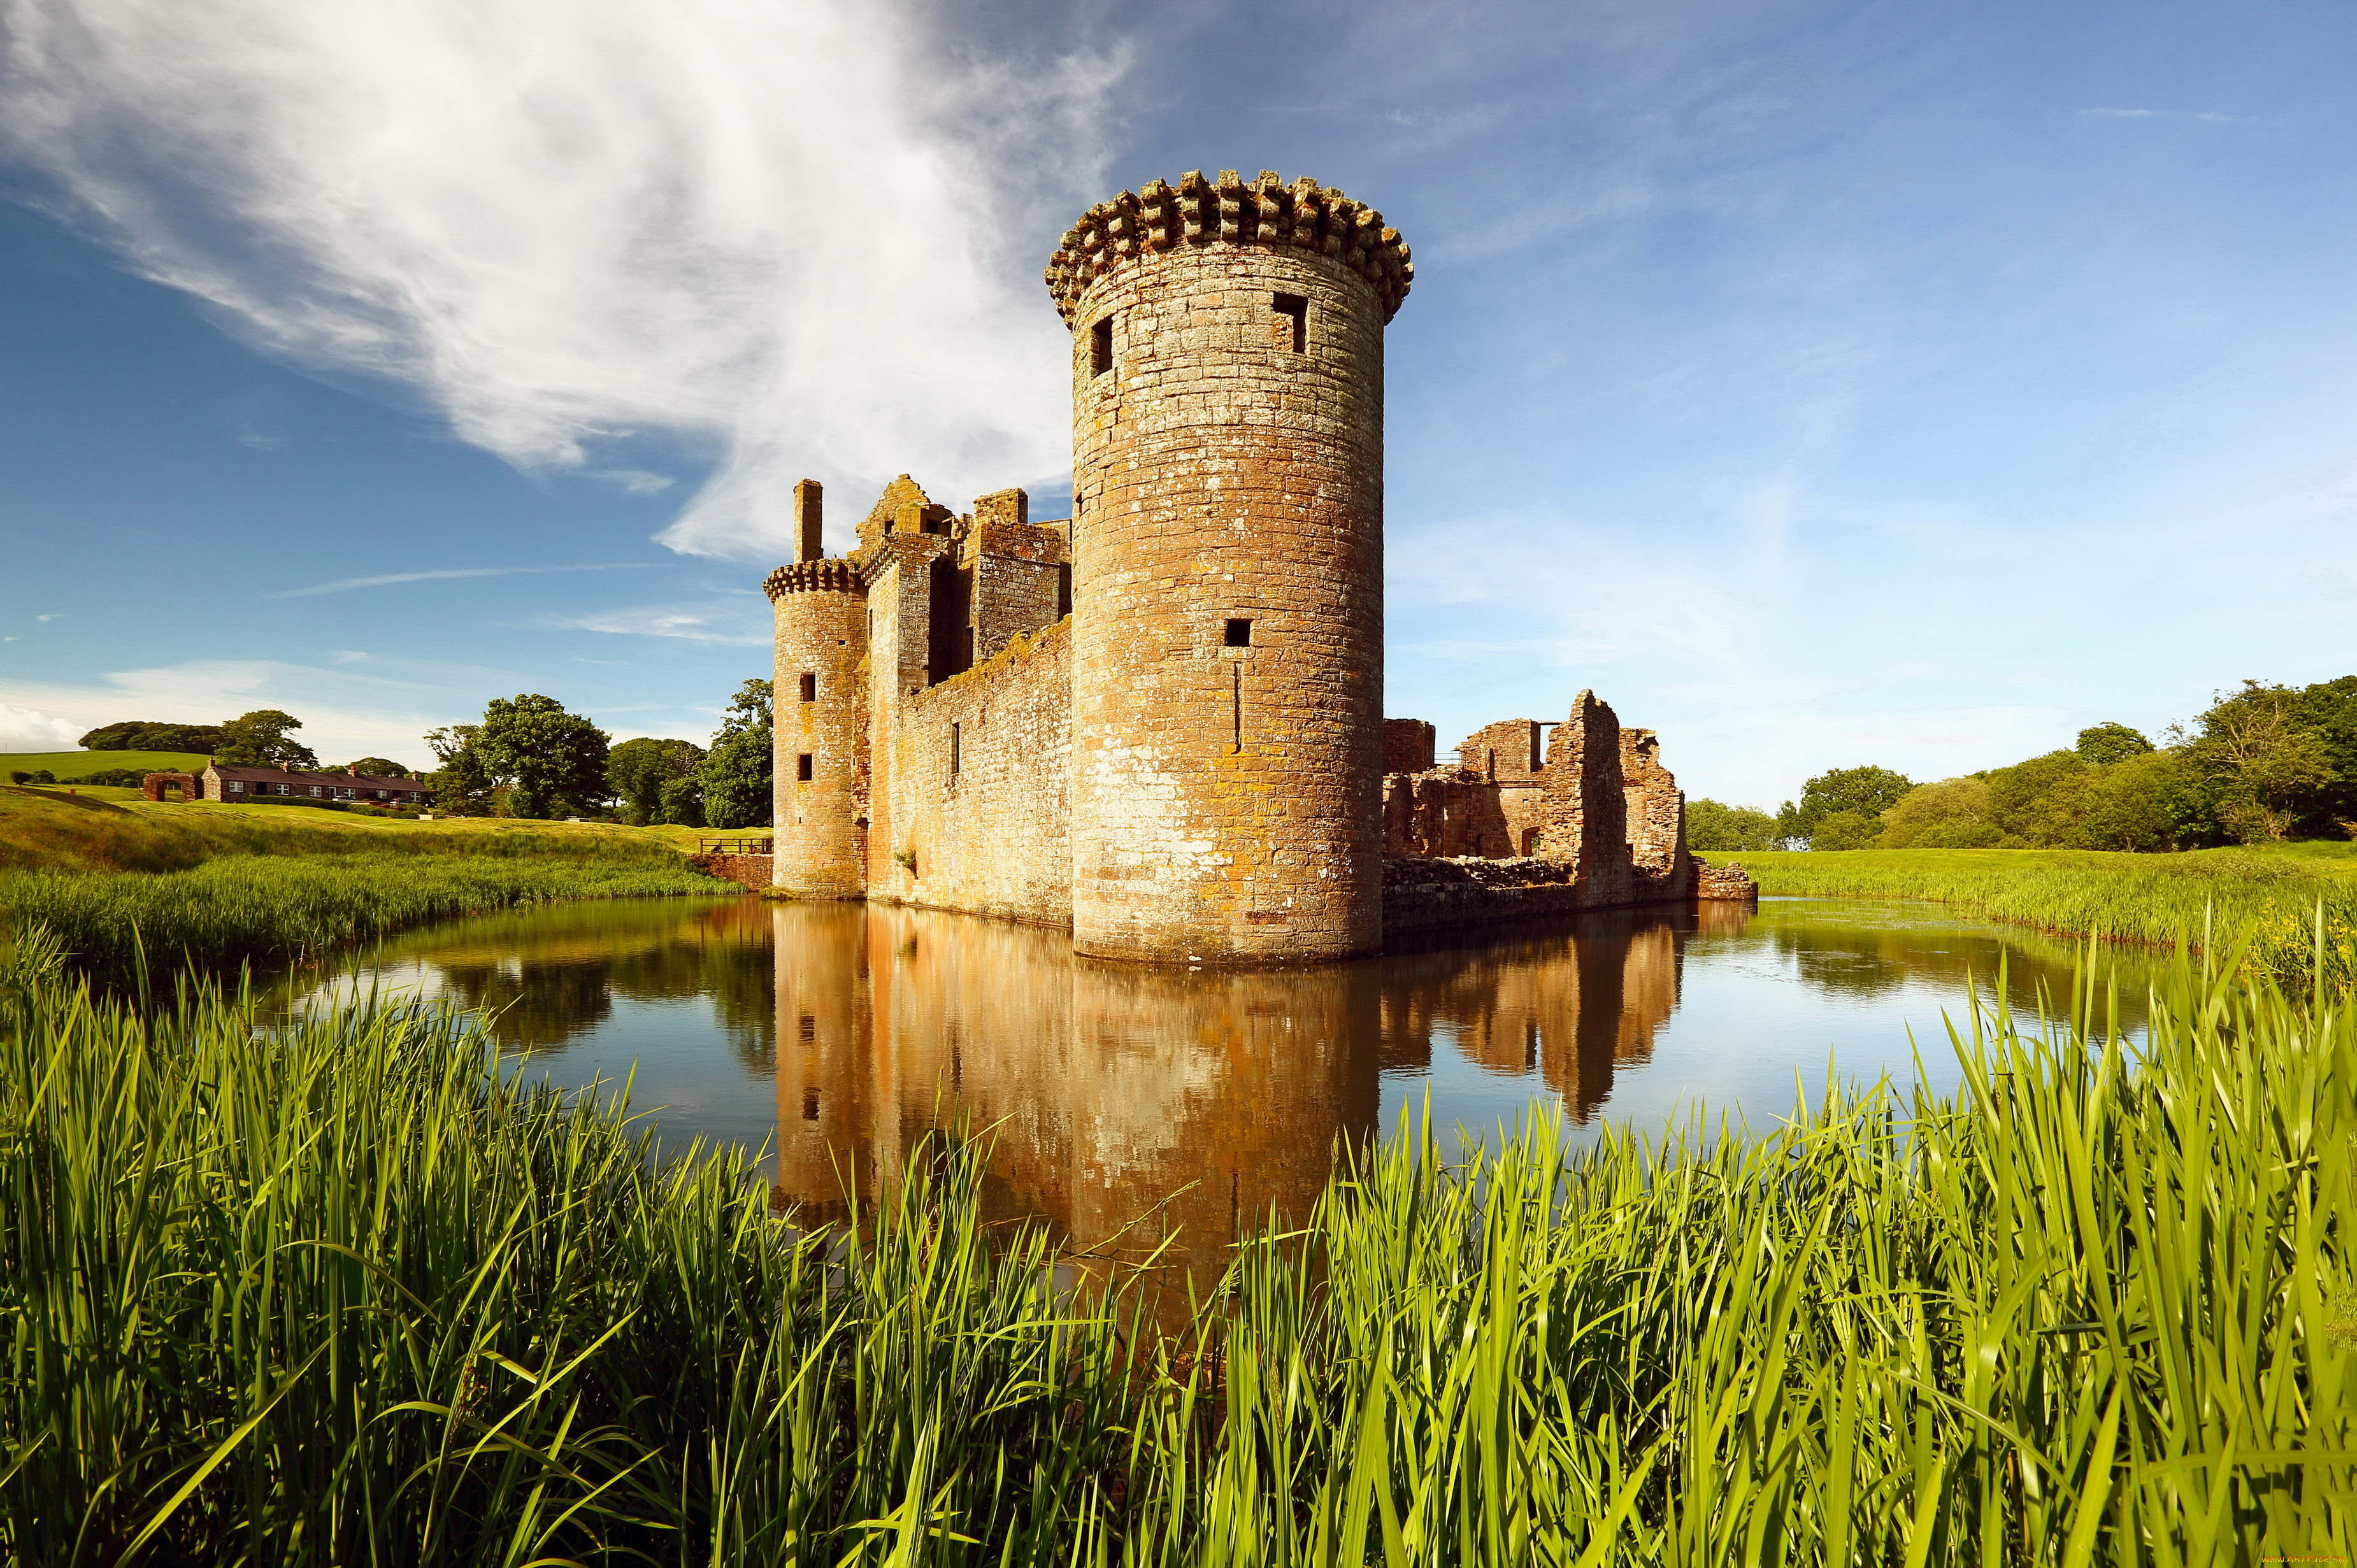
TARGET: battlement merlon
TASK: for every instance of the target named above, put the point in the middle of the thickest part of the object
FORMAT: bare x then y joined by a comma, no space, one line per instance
826,576
1199,211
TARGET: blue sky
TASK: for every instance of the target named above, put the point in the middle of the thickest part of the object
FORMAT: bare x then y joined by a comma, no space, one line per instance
1911,383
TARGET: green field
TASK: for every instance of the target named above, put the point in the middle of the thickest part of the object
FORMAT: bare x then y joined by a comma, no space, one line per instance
73,763
2263,902
346,1290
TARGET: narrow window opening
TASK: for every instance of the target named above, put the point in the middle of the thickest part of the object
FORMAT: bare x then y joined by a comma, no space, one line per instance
1239,634
810,687
1063,591
1101,347
802,768
1292,322
808,1029
1538,752
1236,707
956,743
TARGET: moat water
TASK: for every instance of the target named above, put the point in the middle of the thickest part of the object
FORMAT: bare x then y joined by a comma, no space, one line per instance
840,1036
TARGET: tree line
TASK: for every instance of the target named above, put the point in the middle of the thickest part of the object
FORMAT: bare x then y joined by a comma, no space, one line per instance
526,758
2262,764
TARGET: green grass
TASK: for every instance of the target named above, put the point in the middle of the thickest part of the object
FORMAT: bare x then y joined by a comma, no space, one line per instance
284,907
72,764
2261,900
49,829
345,1293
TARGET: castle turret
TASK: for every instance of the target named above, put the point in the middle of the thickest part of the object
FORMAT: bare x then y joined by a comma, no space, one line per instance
820,703
1227,473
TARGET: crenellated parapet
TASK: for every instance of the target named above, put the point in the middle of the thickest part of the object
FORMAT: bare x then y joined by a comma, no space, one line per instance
832,577
1228,211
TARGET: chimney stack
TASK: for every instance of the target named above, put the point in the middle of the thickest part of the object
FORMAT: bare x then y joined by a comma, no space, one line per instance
809,503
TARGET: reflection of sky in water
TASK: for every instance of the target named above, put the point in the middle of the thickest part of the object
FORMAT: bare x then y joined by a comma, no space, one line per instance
844,1032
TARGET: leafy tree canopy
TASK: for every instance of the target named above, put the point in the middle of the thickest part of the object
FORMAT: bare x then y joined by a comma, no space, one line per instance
144,735
1844,830
681,801
549,762
736,773
638,770
1866,790
2106,743
262,739
1714,827
379,767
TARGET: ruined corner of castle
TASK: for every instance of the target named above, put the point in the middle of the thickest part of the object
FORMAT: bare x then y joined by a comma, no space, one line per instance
1158,722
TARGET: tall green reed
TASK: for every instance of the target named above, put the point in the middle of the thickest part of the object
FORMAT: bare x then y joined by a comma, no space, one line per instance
352,1293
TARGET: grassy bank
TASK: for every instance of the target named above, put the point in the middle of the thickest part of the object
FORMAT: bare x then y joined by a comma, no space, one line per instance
49,829
74,764
277,907
348,1295
2262,902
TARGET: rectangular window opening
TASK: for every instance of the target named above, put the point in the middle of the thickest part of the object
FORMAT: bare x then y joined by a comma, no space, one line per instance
1101,347
1239,634
810,687
802,768
956,742
1292,322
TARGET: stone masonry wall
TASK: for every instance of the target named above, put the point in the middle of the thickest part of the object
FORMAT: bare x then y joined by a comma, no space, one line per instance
1586,804
821,613
972,790
1227,466
1407,747
1444,811
1656,817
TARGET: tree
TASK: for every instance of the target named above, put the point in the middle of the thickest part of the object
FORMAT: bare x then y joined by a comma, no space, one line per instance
2268,763
462,785
638,769
1869,791
1953,813
682,802
145,735
545,759
1711,827
260,739
2106,743
378,768
737,774
1845,829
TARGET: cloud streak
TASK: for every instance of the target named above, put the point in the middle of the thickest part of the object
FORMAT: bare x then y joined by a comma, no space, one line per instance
345,585
804,237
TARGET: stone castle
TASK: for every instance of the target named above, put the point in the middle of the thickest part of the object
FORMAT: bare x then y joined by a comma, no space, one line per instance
1159,722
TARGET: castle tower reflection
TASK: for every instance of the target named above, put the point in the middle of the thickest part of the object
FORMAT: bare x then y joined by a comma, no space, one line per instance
1119,1101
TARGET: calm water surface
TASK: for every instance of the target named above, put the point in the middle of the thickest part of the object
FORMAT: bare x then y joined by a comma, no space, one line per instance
841,1036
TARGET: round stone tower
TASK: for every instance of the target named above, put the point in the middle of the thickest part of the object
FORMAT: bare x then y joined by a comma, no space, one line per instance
819,716
1227,520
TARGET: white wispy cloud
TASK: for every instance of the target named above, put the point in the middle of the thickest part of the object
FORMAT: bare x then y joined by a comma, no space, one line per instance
720,625
345,585
2198,116
806,236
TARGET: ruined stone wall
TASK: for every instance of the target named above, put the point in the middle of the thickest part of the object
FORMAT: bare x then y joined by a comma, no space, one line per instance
1227,411
1019,580
972,805
1444,812
1407,747
1511,751
821,613
1724,883
1656,811
1586,804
